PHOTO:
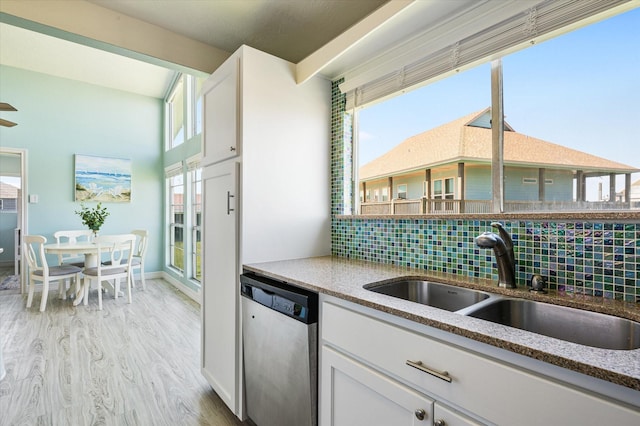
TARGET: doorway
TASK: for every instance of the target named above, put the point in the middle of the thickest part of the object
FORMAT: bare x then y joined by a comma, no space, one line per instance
12,218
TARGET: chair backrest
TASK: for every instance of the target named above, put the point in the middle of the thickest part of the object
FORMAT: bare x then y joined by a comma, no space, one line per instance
72,237
119,249
141,242
34,252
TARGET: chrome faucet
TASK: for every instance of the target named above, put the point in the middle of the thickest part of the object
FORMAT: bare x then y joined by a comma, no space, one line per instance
502,246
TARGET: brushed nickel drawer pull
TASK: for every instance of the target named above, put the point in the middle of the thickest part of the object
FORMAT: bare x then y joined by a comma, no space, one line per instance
443,375
229,197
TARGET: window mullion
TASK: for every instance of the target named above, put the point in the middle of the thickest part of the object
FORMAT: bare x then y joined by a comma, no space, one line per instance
497,137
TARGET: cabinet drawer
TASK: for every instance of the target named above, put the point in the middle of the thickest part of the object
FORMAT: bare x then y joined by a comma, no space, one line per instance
492,390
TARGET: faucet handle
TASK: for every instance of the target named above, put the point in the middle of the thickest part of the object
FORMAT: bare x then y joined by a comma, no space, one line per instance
537,284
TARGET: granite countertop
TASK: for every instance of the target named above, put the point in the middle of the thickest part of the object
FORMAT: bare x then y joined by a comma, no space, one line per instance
344,278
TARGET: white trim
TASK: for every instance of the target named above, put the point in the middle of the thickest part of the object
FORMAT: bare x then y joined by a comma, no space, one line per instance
340,45
195,296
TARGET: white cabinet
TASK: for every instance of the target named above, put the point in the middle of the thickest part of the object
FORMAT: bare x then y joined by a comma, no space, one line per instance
485,389
280,131
221,113
356,395
220,328
445,416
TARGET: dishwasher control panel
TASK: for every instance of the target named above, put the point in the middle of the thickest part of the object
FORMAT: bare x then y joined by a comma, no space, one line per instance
292,301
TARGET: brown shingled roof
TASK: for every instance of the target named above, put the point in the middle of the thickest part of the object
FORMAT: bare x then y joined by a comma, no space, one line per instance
461,141
8,191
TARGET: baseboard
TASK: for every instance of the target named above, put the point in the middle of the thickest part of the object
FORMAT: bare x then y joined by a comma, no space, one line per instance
195,296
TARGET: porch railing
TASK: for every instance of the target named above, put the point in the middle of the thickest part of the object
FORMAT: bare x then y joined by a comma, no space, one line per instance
441,207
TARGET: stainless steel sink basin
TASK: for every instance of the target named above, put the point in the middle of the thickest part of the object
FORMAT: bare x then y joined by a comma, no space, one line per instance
569,324
438,295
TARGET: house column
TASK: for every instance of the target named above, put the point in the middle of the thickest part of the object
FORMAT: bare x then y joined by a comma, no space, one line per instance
461,186
612,187
392,209
541,184
364,192
627,187
580,186
426,205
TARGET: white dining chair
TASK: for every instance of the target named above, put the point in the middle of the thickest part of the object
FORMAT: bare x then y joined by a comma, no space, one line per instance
119,249
72,237
140,249
39,270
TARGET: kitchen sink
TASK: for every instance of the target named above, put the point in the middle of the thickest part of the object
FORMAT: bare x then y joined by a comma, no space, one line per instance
438,295
564,323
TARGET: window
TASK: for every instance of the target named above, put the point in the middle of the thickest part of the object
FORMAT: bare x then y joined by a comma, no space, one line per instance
176,111
569,109
195,176
184,242
175,191
184,110
402,191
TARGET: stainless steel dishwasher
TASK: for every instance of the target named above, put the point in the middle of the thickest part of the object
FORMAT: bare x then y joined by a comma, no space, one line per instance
280,341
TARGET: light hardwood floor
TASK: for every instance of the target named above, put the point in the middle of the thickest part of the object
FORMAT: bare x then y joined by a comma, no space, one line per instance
134,364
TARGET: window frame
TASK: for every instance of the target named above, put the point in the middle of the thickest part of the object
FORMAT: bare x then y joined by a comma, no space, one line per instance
175,172
356,102
194,171
178,89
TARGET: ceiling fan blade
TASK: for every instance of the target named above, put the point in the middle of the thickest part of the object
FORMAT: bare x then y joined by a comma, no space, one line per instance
6,107
7,123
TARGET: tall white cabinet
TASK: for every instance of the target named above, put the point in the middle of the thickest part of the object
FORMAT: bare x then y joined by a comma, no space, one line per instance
266,188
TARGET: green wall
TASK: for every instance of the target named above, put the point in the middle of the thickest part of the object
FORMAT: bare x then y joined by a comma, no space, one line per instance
58,118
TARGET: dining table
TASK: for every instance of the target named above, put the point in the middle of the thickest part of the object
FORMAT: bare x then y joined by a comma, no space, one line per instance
86,248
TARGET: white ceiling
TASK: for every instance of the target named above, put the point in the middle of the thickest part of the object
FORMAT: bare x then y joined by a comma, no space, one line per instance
290,29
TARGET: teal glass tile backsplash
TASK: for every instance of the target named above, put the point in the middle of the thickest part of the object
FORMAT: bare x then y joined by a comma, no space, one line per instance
593,258
596,259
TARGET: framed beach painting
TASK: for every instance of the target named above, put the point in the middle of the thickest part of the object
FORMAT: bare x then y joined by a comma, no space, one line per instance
103,179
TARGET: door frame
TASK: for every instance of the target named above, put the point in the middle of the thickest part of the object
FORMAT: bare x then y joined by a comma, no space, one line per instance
22,203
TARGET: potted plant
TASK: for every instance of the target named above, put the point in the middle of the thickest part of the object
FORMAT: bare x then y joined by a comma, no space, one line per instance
93,218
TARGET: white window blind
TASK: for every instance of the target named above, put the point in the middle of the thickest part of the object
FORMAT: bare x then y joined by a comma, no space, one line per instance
173,170
193,163
519,30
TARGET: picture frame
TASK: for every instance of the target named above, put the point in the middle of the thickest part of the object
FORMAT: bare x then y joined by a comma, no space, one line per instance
102,179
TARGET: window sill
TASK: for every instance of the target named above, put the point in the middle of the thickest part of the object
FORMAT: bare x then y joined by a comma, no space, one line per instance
615,216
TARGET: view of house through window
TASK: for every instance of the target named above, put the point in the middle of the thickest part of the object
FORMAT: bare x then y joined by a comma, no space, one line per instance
571,107
175,191
185,214
195,176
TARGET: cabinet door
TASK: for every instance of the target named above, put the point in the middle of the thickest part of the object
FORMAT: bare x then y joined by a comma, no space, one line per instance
355,395
221,113
445,416
220,294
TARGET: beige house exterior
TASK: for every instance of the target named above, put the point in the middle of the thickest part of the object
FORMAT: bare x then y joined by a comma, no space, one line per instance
448,170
